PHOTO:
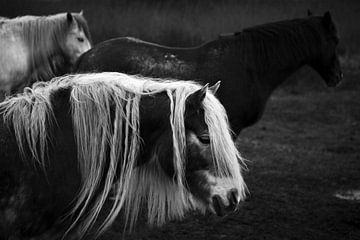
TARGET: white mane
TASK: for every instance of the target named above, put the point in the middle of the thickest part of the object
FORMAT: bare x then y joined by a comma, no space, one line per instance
96,133
44,37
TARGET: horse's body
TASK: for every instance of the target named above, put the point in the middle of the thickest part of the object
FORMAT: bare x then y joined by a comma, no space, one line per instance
250,64
66,143
39,48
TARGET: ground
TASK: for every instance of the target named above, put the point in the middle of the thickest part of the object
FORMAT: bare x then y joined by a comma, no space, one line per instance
304,150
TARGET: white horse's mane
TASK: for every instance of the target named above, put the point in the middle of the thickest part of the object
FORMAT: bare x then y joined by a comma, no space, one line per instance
44,37
96,133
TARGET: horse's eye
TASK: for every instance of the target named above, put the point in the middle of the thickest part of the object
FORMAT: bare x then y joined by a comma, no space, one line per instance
80,39
204,139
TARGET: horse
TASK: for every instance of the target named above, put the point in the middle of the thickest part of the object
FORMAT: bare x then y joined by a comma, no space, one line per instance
251,64
70,144
38,48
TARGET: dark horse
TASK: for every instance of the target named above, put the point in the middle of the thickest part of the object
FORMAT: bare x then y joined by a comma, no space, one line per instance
250,64
70,144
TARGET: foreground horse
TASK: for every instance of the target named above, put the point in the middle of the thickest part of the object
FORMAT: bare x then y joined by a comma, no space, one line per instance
39,48
250,64
66,143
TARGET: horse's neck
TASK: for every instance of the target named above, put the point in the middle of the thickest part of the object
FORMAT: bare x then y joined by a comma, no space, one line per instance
273,68
45,37
273,79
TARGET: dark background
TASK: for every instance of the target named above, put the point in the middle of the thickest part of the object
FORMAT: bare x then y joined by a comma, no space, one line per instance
189,22
305,149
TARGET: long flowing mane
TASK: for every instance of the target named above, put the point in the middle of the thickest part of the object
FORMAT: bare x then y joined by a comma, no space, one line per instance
277,44
44,36
109,145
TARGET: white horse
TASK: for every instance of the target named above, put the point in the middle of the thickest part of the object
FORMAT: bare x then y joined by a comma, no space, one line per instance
37,48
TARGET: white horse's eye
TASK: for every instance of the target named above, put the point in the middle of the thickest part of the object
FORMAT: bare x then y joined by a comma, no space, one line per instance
80,39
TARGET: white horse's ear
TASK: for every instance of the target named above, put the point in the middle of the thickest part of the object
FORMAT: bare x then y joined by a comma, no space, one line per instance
81,13
215,87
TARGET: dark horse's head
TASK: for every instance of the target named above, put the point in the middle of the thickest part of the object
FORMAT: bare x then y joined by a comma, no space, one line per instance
327,62
162,145
207,176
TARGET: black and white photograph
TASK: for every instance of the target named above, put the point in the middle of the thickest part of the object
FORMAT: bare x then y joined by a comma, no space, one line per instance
179,120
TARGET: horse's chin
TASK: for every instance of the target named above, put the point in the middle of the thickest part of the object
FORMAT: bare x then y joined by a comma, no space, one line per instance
222,208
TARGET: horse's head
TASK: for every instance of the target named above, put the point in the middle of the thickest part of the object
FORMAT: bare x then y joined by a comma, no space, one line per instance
217,193
327,63
77,40
209,168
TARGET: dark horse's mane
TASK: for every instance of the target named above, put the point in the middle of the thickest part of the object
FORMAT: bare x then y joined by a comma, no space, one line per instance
269,45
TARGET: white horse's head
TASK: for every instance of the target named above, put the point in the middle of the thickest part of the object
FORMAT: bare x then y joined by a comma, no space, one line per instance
77,39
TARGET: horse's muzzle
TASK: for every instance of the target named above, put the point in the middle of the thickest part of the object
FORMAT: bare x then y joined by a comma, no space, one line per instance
232,203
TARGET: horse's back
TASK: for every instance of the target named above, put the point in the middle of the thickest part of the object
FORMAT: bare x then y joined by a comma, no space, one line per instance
127,50
134,56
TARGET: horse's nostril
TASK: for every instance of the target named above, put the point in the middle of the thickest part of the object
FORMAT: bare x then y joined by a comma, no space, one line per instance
218,205
233,198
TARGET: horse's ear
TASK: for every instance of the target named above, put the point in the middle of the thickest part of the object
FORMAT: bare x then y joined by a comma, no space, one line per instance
196,98
69,17
81,13
327,18
215,87
309,13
